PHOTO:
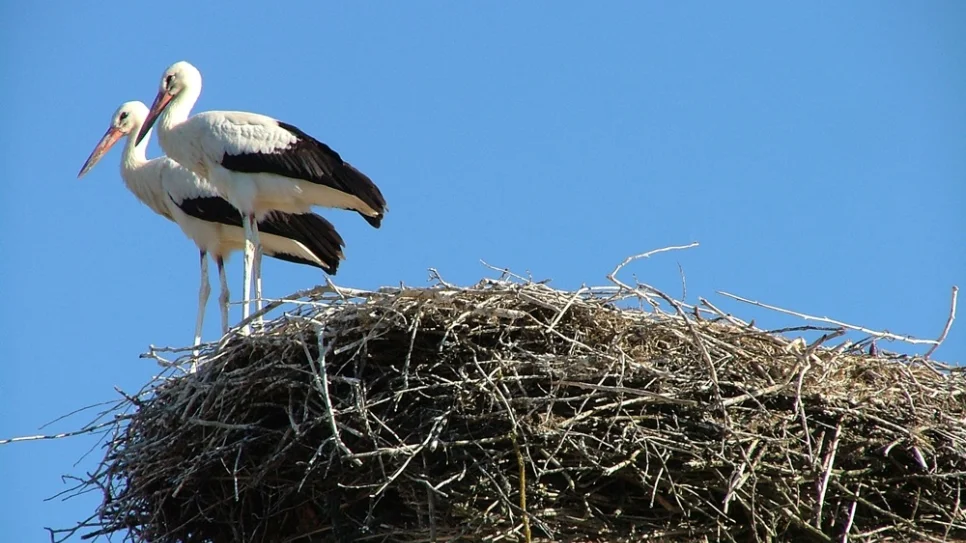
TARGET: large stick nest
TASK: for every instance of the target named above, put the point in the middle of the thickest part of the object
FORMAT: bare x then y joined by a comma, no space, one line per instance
514,411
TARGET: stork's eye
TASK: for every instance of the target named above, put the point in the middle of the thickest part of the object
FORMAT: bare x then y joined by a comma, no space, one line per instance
167,81
123,116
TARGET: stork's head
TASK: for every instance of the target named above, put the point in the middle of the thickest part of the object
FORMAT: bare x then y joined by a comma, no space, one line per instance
130,116
127,119
180,78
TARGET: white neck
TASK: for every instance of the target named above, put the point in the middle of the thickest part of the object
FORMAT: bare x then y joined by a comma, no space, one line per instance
135,154
178,110
137,175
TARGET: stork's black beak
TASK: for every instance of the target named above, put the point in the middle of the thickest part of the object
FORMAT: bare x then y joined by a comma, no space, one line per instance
161,101
107,141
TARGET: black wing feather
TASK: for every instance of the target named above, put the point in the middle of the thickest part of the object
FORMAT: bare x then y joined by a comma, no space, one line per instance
311,160
210,209
311,230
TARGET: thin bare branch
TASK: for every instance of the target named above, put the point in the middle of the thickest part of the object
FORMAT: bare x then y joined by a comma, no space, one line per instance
949,324
864,330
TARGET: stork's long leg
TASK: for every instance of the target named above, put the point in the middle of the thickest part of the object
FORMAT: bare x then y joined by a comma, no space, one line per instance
248,222
203,292
225,294
257,267
257,271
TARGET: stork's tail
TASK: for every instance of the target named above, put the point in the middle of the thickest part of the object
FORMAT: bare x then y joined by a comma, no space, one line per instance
365,190
376,222
312,231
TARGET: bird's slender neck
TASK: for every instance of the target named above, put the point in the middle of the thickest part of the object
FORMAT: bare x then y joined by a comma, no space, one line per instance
134,154
133,159
178,110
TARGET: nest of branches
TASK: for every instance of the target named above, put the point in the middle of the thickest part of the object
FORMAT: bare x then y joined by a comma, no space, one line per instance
513,411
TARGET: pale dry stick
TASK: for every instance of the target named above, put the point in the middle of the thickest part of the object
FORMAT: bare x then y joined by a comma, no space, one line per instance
430,501
800,522
851,519
712,370
116,405
566,307
909,525
823,484
957,510
881,335
920,458
323,301
69,532
506,272
163,362
531,296
343,292
411,449
437,488
613,275
434,274
155,349
624,463
234,474
574,342
409,352
57,436
810,350
949,324
221,425
804,365
592,411
684,283
738,477
730,318
654,396
273,304
753,394
498,312
514,435
433,435
322,383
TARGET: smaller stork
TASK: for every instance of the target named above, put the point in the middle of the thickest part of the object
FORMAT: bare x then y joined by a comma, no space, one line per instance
258,163
214,225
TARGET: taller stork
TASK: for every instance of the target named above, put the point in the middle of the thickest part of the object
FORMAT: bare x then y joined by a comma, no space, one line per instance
205,217
258,163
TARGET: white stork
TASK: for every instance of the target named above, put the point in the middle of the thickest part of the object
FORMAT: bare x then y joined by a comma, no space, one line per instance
258,163
205,217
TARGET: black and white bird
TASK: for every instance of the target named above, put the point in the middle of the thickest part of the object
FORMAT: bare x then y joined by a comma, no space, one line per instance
258,163
215,226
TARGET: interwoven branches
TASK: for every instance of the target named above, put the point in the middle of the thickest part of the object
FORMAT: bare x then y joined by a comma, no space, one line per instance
514,411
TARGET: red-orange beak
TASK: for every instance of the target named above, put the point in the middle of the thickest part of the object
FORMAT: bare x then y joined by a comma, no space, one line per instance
103,146
161,101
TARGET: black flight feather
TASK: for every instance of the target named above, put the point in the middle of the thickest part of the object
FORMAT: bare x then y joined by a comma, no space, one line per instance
311,230
311,160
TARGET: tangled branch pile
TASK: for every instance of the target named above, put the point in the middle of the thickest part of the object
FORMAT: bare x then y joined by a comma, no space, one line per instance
513,411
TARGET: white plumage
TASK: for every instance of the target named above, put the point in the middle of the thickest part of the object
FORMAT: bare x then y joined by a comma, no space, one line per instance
258,163
177,194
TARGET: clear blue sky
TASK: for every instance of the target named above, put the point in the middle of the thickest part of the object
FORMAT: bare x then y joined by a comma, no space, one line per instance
817,152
